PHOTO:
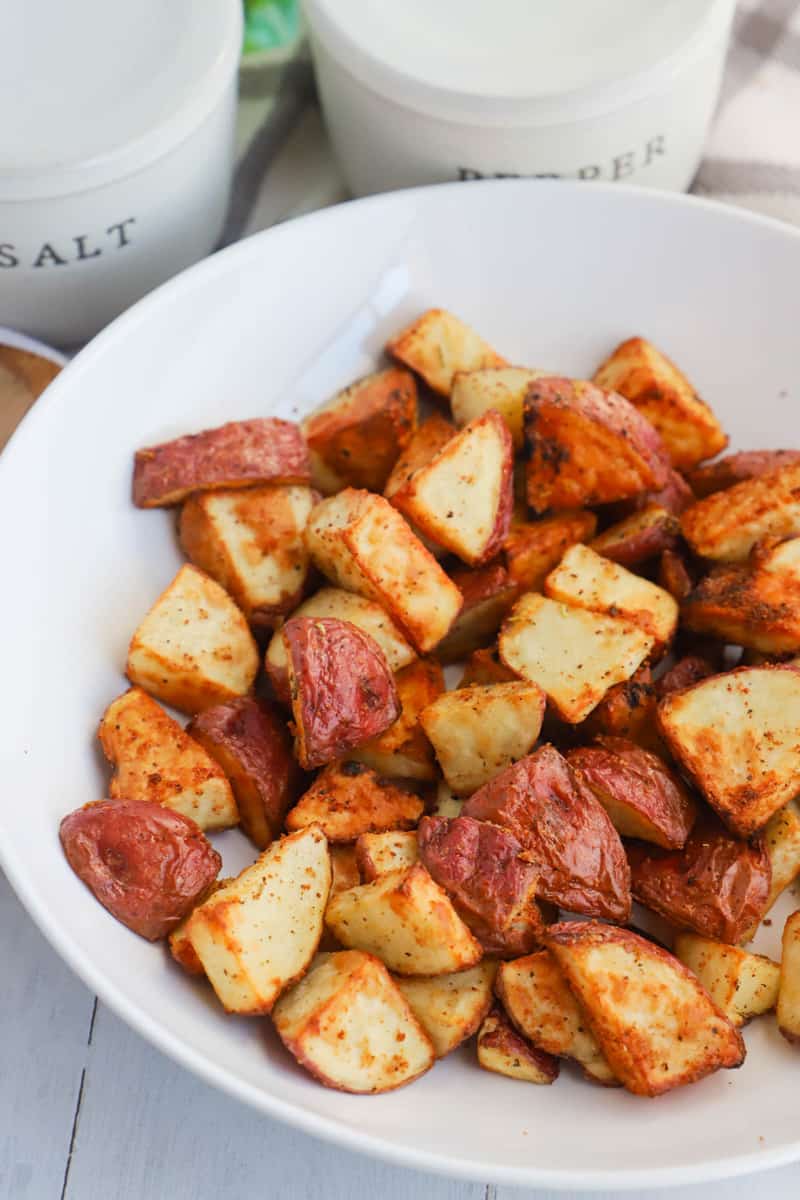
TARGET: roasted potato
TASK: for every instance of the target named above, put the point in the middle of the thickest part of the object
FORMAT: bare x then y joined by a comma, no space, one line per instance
239,454
403,749
533,548
480,867
431,436
587,580
587,446
450,1008
348,799
536,997
251,743
488,593
342,690
741,985
734,468
355,438
789,988
348,1023
505,1052
716,885
146,864
683,673
251,541
564,832
349,536
674,575
484,667
663,394
155,760
257,935
736,736
463,498
437,345
180,947
782,840
377,853
575,656
479,731
628,710
407,920
366,614
643,535
654,1022
499,388
642,796
726,525
445,804
193,649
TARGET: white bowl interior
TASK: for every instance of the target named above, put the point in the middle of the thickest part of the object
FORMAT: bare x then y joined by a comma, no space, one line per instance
554,276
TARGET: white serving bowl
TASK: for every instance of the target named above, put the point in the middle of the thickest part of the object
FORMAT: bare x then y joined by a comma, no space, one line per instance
553,275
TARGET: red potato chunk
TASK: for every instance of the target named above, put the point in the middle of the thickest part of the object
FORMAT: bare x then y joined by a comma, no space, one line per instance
735,468
628,710
438,345
149,866
639,537
342,690
347,800
502,1050
674,575
239,454
431,436
488,594
564,832
533,548
684,673
725,526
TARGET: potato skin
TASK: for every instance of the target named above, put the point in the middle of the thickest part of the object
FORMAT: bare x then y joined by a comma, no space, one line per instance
147,865
684,673
725,526
734,468
564,832
488,594
239,454
503,1050
492,888
342,690
716,885
628,710
674,575
250,741
639,537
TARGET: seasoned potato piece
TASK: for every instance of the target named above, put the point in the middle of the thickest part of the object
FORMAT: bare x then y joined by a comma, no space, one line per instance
716,885
344,868
535,995
355,438
733,468
641,795
251,541
488,594
500,388
193,649
348,799
408,921
431,436
363,544
663,394
628,710
789,989
533,548
342,690
251,743
258,934
463,498
736,736
688,670
484,667
437,345
587,446
588,580
239,454
445,804
403,749
574,655
155,760
726,525
656,1025
180,947
502,1050
450,1008
741,985
377,853
565,833
367,615
349,1024
781,838
479,731
639,537
674,575
753,606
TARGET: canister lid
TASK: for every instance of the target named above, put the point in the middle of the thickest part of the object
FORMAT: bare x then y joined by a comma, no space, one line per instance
491,62
92,89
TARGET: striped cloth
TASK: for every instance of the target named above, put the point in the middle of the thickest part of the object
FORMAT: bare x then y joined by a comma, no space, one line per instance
286,166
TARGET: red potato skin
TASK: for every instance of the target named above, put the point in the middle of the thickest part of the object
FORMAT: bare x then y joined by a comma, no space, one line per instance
674,575
149,866
685,673
239,454
618,768
734,468
717,885
630,547
564,832
249,736
492,888
342,690
507,1040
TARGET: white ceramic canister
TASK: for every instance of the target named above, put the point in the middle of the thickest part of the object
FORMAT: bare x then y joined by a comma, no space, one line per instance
425,91
116,152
